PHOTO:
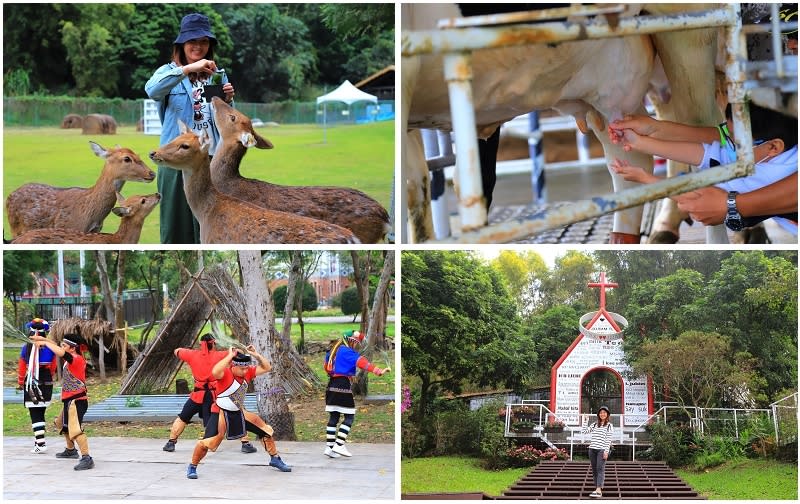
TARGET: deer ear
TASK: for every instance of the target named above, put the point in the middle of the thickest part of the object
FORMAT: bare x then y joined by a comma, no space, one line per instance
182,127
98,150
121,211
120,198
262,143
205,142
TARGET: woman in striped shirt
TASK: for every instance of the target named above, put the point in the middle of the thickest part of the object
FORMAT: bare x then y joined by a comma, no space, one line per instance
599,448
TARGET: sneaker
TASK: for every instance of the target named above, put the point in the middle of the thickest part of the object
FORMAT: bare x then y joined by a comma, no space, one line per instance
248,448
279,464
85,463
68,453
170,446
342,450
191,471
39,448
332,454
595,495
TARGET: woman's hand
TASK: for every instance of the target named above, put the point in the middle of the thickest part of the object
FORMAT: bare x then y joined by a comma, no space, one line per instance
227,88
200,66
605,455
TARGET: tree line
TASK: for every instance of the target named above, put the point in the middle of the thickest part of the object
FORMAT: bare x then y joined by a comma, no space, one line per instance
726,319
271,52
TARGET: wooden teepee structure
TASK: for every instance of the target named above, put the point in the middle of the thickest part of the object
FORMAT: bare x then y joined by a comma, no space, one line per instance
209,292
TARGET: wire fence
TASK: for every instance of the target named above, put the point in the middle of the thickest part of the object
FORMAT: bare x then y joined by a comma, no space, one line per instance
50,111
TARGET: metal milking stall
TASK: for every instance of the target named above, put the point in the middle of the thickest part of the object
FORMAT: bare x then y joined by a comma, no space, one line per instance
766,81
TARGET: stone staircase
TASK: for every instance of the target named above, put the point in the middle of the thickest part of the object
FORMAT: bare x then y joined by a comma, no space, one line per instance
567,480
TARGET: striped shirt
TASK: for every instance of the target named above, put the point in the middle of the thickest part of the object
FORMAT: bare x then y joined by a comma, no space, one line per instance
601,436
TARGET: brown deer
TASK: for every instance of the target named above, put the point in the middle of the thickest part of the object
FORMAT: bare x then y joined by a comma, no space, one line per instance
38,206
348,208
225,219
133,211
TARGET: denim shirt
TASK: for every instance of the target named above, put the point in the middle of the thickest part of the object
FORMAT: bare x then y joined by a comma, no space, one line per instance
170,82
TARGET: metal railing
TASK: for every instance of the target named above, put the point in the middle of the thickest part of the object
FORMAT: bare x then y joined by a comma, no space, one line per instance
456,46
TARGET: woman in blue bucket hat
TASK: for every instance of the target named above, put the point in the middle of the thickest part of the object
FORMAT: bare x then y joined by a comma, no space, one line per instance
179,88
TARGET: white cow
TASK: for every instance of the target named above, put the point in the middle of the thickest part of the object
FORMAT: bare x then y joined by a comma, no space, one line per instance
609,76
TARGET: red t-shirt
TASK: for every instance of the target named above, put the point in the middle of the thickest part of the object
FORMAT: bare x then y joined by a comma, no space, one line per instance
76,368
201,363
227,380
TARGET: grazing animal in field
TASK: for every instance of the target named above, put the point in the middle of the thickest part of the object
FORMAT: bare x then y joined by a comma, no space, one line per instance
225,219
37,206
133,210
594,80
349,208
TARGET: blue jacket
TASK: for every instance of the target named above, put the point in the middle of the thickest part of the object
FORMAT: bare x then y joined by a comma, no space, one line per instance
173,92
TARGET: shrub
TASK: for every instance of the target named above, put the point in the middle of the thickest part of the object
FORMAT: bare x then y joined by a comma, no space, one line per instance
674,444
705,460
310,302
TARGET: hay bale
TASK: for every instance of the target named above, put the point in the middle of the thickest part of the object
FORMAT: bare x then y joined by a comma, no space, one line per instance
99,124
71,121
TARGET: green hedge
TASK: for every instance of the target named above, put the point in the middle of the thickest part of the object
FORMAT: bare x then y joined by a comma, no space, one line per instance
50,110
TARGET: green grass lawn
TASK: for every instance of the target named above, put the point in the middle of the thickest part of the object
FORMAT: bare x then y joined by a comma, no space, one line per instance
746,479
454,474
738,480
356,156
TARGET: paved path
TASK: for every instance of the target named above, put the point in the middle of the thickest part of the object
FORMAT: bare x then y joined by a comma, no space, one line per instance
138,469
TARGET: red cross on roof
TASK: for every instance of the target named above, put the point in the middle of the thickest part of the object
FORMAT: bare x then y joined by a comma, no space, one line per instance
603,285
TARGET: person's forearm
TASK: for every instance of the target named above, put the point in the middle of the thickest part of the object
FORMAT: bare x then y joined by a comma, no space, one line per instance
219,368
676,132
683,152
55,348
777,198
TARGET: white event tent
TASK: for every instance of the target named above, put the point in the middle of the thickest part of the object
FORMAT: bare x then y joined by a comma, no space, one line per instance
345,93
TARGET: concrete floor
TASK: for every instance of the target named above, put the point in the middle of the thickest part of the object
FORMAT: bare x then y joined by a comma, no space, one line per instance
128,468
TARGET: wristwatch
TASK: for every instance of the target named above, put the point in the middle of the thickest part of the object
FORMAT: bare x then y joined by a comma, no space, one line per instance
733,220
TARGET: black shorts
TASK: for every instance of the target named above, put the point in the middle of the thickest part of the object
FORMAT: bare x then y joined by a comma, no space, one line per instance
234,430
191,408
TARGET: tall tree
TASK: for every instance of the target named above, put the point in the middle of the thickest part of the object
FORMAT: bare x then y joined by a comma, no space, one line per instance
120,326
523,272
376,328
92,42
272,404
19,267
105,286
459,325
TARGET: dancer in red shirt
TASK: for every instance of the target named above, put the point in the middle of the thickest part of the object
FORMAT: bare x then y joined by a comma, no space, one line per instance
201,362
229,418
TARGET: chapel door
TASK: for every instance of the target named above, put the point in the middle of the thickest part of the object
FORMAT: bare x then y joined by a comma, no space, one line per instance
602,387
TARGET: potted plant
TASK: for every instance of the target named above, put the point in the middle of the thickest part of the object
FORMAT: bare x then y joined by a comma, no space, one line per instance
554,425
524,426
524,413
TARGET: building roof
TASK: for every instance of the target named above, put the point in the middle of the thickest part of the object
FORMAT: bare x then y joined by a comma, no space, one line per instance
381,78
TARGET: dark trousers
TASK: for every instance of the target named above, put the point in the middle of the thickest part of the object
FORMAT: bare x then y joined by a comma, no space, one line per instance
598,467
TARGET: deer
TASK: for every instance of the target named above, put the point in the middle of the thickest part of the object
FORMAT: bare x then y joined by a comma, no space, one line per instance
133,211
225,219
39,206
349,208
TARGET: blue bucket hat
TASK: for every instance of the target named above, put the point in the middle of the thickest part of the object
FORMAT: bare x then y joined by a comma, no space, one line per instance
195,26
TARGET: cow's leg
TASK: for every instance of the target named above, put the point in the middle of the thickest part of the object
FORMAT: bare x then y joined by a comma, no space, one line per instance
414,167
487,151
627,223
688,59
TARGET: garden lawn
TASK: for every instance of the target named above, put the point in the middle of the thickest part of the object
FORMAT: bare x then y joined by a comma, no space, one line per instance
357,156
454,474
746,479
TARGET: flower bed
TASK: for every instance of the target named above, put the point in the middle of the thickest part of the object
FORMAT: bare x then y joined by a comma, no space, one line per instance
528,456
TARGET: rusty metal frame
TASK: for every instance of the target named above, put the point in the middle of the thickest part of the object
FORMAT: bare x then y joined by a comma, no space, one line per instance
457,44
